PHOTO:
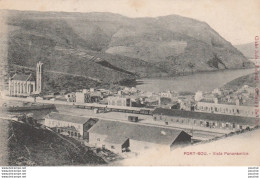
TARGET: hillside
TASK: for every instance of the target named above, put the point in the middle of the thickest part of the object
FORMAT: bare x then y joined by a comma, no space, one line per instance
112,48
29,146
244,80
247,49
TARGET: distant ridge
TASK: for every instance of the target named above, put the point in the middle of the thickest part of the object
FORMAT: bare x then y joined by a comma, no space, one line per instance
247,49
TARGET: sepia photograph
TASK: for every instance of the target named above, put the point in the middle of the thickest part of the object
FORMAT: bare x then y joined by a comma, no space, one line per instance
129,83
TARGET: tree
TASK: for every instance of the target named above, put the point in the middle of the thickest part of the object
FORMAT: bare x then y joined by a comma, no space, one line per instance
191,66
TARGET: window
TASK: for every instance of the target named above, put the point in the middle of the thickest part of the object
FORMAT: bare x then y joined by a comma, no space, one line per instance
112,147
75,134
98,139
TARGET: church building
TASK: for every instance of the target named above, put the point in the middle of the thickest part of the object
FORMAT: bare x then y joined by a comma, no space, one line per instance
25,85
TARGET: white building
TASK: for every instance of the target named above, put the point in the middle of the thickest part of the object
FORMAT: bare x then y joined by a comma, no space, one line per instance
119,101
167,94
80,97
21,85
74,126
198,96
119,137
217,108
217,91
24,85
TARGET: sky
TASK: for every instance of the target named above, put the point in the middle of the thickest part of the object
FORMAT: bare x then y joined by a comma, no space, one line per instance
238,21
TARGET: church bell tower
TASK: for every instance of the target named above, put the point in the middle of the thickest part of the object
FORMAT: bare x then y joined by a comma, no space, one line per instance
39,77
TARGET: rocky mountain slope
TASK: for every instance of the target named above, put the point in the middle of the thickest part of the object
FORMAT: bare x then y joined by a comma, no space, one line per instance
112,48
239,82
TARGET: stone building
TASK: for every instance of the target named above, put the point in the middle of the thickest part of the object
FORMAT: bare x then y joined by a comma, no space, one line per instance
119,101
74,126
227,109
88,97
25,85
119,137
200,119
21,85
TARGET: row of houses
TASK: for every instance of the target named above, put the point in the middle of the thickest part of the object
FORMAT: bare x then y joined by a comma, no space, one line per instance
117,136
239,102
200,119
218,108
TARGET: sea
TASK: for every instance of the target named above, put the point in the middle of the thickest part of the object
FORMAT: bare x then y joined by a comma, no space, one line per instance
205,81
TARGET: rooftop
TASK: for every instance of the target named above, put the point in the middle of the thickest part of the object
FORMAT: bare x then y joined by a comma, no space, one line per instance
205,116
68,118
22,77
116,140
118,132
